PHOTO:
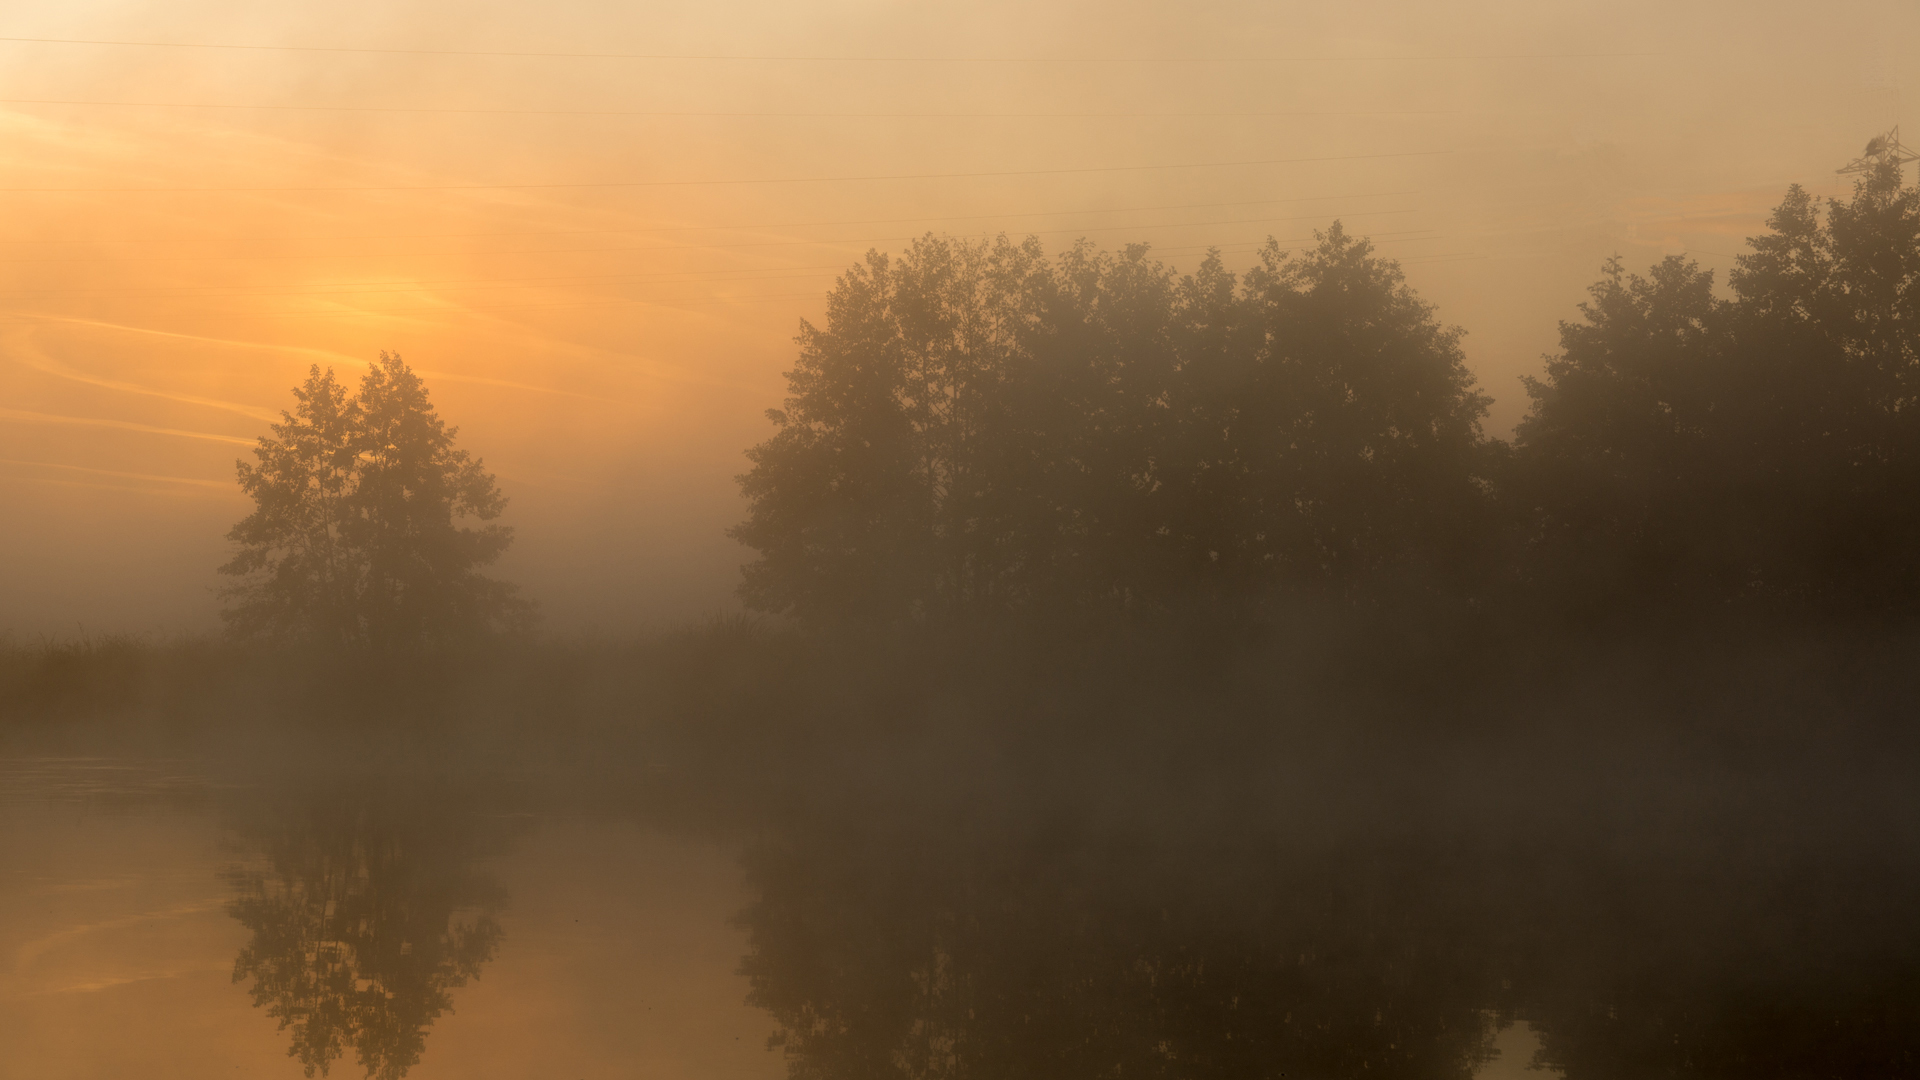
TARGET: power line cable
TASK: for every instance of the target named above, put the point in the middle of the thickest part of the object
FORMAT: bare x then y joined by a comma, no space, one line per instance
693,301
820,242
714,228
741,275
435,110
581,185
824,58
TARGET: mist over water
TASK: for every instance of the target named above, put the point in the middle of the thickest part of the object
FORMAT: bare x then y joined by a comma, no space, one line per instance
889,866
858,541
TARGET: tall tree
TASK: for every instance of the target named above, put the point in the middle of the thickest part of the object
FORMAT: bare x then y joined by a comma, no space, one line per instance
421,564
979,429
359,533
300,574
1331,430
1611,470
1762,447
1826,331
875,493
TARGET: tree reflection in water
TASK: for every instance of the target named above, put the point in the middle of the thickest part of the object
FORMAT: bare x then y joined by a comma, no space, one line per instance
887,947
369,911
917,955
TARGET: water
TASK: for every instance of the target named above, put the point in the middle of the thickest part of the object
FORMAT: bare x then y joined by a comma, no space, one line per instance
177,919
611,951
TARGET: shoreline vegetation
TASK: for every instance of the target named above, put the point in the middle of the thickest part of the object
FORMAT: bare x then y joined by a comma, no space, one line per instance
741,693
1084,525
1077,509
1157,675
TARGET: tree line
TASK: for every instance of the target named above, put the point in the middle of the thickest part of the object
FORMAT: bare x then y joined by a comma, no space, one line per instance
980,430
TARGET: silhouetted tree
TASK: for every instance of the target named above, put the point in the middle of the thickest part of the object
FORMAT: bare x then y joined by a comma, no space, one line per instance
1613,453
1684,447
357,536
1330,430
422,579
301,574
876,493
1827,322
979,430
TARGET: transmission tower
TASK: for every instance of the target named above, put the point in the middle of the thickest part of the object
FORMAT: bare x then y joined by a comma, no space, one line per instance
1881,148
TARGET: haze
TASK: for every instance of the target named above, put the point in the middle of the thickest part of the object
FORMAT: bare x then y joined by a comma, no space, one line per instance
598,262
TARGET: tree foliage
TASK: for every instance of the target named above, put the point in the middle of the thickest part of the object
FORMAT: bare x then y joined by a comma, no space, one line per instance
1687,446
979,429
358,534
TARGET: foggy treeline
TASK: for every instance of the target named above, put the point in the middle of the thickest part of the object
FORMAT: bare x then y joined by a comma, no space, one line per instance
979,430
1157,674
994,465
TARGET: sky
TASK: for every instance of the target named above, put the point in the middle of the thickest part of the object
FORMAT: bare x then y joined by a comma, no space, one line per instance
595,228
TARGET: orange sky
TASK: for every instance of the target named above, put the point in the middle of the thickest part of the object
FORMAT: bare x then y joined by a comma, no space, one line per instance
599,261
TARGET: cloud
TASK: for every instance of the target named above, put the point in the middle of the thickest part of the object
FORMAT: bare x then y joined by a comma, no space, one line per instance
39,361
156,477
122,425
122,327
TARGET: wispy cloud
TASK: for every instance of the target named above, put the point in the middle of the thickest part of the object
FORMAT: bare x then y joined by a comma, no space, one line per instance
155,477
482,380
54,367
266,346
34,358
1728,217
120,425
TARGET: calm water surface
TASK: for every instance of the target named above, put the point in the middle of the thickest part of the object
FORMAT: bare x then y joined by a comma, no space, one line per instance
154,925
159,921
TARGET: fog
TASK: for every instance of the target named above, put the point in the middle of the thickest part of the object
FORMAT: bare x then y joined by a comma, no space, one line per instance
913,541
599,262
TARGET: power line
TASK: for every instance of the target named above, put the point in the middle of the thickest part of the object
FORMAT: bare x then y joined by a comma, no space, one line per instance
691,301
350,288
720,228
745,275
820,242
741,113
822,58
581,185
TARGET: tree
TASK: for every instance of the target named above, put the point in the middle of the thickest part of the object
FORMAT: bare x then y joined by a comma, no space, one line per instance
979,430
1612,456
1825,418
1764,447
357,537
1331,435
876,494
296,560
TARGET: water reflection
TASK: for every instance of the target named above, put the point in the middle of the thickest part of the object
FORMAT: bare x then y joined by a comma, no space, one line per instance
929,926
889,947
367,908
920,956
